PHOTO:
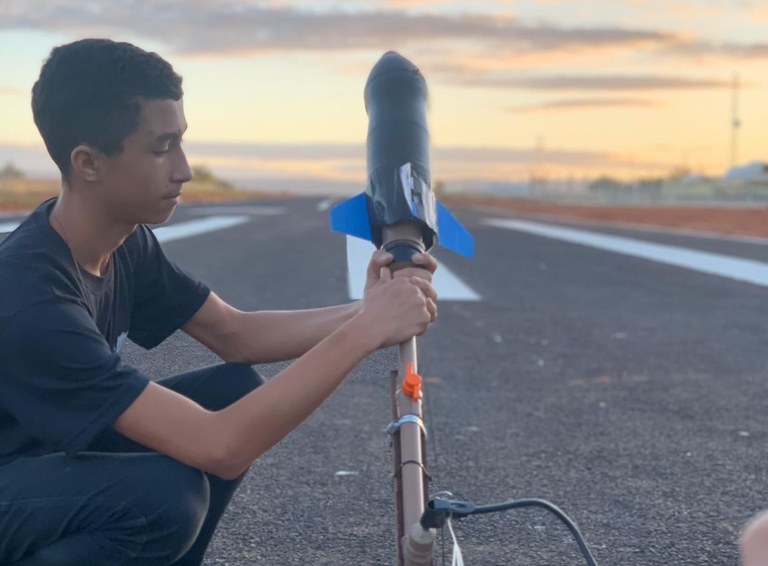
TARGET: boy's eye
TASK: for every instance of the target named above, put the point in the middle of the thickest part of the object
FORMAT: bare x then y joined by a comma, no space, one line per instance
173,144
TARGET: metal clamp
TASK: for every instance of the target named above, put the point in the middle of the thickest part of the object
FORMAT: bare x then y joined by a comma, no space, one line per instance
399,471
394,426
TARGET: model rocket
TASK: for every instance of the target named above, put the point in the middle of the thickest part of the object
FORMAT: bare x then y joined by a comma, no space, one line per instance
399,189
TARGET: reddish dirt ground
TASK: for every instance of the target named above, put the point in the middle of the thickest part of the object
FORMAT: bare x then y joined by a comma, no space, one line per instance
24,195
745,221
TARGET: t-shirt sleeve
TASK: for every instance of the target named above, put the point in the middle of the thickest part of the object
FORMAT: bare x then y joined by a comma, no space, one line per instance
165,297
59,377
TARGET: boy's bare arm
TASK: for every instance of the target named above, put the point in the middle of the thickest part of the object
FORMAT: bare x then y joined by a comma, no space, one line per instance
226,442
264,336
270,336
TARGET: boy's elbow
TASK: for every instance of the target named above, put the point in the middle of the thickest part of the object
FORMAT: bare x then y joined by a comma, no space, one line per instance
225,462
227,471
235,356
236,350
225,467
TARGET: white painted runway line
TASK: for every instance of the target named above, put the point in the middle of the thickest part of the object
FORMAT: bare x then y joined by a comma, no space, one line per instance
196,227
448,286
8,226
324,205
175,231
245,209
750,271
648,228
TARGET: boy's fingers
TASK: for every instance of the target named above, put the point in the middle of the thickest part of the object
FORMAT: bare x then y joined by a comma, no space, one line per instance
425,286
426,261
418,271
432,308
383,258
379,259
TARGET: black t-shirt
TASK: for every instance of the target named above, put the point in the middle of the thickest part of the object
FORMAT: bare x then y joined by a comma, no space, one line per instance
62,381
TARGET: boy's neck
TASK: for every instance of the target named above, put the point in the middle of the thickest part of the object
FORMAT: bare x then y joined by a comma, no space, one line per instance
91,234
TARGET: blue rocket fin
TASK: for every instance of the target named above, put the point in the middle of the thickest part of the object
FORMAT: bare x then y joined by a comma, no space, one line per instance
351,217
451,234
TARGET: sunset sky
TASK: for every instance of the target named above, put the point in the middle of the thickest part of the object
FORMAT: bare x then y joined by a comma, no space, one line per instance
559,88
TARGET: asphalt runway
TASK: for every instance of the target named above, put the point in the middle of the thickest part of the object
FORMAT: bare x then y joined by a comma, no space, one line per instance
629,392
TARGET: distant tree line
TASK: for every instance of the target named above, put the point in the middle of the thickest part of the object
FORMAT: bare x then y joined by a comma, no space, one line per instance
611,184
203,175
10,171
200,174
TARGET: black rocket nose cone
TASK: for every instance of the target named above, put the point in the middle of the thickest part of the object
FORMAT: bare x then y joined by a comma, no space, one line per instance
394,58
392,62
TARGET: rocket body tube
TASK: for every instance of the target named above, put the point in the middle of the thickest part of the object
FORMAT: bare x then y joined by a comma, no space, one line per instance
398,190
398,148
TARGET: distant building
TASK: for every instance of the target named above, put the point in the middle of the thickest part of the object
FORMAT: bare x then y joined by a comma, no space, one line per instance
754,172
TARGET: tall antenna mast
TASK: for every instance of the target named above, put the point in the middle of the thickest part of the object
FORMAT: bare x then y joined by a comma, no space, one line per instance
735,120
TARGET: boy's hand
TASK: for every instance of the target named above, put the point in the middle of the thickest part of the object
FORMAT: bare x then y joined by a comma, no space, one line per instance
381,258
397,309
427,265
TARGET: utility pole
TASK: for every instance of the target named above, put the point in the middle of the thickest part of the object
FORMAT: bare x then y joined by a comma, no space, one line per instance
537,177
735,120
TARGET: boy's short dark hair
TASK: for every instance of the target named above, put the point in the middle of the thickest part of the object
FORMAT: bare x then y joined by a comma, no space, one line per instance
89,92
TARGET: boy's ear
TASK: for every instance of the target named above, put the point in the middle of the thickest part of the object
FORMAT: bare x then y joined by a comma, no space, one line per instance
84,163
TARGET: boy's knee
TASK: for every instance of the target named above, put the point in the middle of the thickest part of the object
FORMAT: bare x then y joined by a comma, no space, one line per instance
178,507
228,384
754,541
243,377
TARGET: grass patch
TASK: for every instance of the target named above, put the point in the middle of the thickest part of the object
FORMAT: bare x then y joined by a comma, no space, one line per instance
26,194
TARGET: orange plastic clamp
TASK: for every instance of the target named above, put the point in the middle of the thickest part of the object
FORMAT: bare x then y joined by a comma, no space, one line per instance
411,383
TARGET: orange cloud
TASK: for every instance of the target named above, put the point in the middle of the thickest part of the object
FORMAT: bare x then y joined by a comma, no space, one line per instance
699,49
346,162
226,28
588,82
587,103
409,3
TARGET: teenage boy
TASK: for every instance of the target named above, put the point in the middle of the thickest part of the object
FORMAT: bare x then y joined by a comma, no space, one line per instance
99,464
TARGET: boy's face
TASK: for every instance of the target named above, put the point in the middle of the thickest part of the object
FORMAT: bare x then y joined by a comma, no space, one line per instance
143,183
